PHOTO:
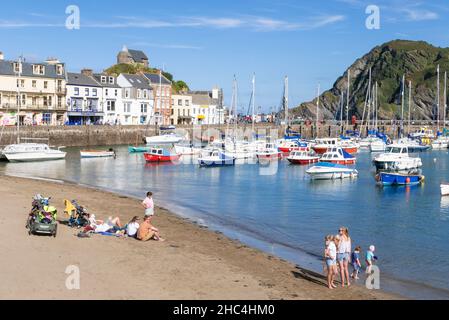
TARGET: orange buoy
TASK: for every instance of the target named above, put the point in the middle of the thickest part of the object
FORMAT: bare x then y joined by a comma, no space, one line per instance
407,180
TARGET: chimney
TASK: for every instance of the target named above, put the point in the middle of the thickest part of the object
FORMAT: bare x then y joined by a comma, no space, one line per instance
87,72
2,57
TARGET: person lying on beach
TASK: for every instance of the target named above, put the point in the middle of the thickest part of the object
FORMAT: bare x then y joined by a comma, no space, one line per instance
148,204
132,227
330,256
113,225
147,231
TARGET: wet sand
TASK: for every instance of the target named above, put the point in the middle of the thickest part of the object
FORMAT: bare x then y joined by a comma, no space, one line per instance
193,263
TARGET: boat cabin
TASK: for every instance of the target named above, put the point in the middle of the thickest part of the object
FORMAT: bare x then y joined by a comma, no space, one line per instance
332,154
397,150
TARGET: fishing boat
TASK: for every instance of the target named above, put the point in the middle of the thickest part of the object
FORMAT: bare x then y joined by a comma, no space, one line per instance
302,157
138,149
322,145
396,158
444,189
399,179
98,153
161,155
30,152
288,145
331,171
216,158
338,155
268,152
423,133
414,146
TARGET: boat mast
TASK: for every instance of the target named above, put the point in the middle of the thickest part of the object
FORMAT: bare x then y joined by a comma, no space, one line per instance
254,103
403,101
445,99
409,105
19,98
376,107
438,98
318,108
286,101
347,99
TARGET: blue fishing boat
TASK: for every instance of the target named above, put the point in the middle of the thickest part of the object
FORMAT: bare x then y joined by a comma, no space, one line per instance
399,179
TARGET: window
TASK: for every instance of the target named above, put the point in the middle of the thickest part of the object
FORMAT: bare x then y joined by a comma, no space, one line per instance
94,92
34,101
179,102
143,108
24,100
0,99
50,102
143,120
103,79
138,93
22,83
46,118
34,84
59,69
106,92
110,105
45,101
145,94
179,112
59,101
187,103
127,93
38,69
127,107
17,67
45,84
86,91
77,91
111,80
116,92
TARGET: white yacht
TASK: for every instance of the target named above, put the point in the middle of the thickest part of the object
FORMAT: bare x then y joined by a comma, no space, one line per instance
30,152
170,138
396,157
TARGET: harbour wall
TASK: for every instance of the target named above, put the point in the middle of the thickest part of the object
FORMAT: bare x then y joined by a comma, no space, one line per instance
83,136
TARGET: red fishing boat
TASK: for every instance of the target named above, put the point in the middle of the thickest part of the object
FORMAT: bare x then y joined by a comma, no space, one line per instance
323,145
161,155
339,156
302,157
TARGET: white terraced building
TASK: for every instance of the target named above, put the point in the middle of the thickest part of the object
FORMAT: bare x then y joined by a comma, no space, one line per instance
138,100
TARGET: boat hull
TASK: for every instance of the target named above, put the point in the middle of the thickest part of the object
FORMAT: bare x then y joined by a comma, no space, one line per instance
304,161
343,162
160,158
34,157
217,163
97,154
388,179
444,189
323,150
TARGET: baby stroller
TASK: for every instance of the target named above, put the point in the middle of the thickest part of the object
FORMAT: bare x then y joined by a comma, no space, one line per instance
78,216
42,218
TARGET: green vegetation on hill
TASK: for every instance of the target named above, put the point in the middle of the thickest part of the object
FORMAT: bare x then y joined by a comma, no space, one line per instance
418,60
117,69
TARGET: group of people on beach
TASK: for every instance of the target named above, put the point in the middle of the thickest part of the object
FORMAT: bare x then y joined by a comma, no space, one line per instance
338,255
143,231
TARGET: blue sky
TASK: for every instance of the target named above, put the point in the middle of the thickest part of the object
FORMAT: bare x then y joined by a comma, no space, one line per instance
206,42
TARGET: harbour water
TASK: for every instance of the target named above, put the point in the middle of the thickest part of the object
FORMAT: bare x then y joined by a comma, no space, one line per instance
287,214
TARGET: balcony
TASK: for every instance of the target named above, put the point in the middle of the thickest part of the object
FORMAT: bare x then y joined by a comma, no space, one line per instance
61,90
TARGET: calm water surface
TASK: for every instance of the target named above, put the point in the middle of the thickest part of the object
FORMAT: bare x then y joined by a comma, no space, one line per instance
287,214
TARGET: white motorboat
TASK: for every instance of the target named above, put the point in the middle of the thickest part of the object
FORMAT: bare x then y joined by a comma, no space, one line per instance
169,138
378,146
396,158
268,152
444,189
331,171
216,158
98,153
441,143
187,150
30,152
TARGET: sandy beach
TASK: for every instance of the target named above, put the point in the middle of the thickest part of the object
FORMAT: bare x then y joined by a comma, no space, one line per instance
193,263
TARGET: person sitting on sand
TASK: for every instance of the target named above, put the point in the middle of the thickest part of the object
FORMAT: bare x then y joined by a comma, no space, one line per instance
132,227
330,256
356,264
148,204
147,231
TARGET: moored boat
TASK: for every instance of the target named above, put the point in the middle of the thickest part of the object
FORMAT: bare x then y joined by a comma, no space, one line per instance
216,158
302,157
138,149
268,152
31,152
396,158
170,138
331,171
322,145
98,153
161,155
338,155
444,189
399,179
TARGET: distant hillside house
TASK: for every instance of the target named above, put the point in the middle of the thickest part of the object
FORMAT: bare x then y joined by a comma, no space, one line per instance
129,56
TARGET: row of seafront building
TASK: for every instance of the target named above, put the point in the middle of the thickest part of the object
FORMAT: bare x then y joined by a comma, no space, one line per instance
47,94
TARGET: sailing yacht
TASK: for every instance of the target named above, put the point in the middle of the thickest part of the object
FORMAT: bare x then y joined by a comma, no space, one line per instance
29,152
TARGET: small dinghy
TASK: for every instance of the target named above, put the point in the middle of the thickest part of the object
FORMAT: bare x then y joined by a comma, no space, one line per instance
399,179
98,154
138,149
331,171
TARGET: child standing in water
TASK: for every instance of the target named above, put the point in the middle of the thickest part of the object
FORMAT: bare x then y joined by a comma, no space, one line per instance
148,205
356,264
370,259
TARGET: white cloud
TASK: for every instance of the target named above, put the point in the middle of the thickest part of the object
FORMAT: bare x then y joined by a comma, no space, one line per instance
166,46
416,14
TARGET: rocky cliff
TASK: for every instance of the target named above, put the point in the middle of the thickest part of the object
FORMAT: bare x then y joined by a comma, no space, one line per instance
389,62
